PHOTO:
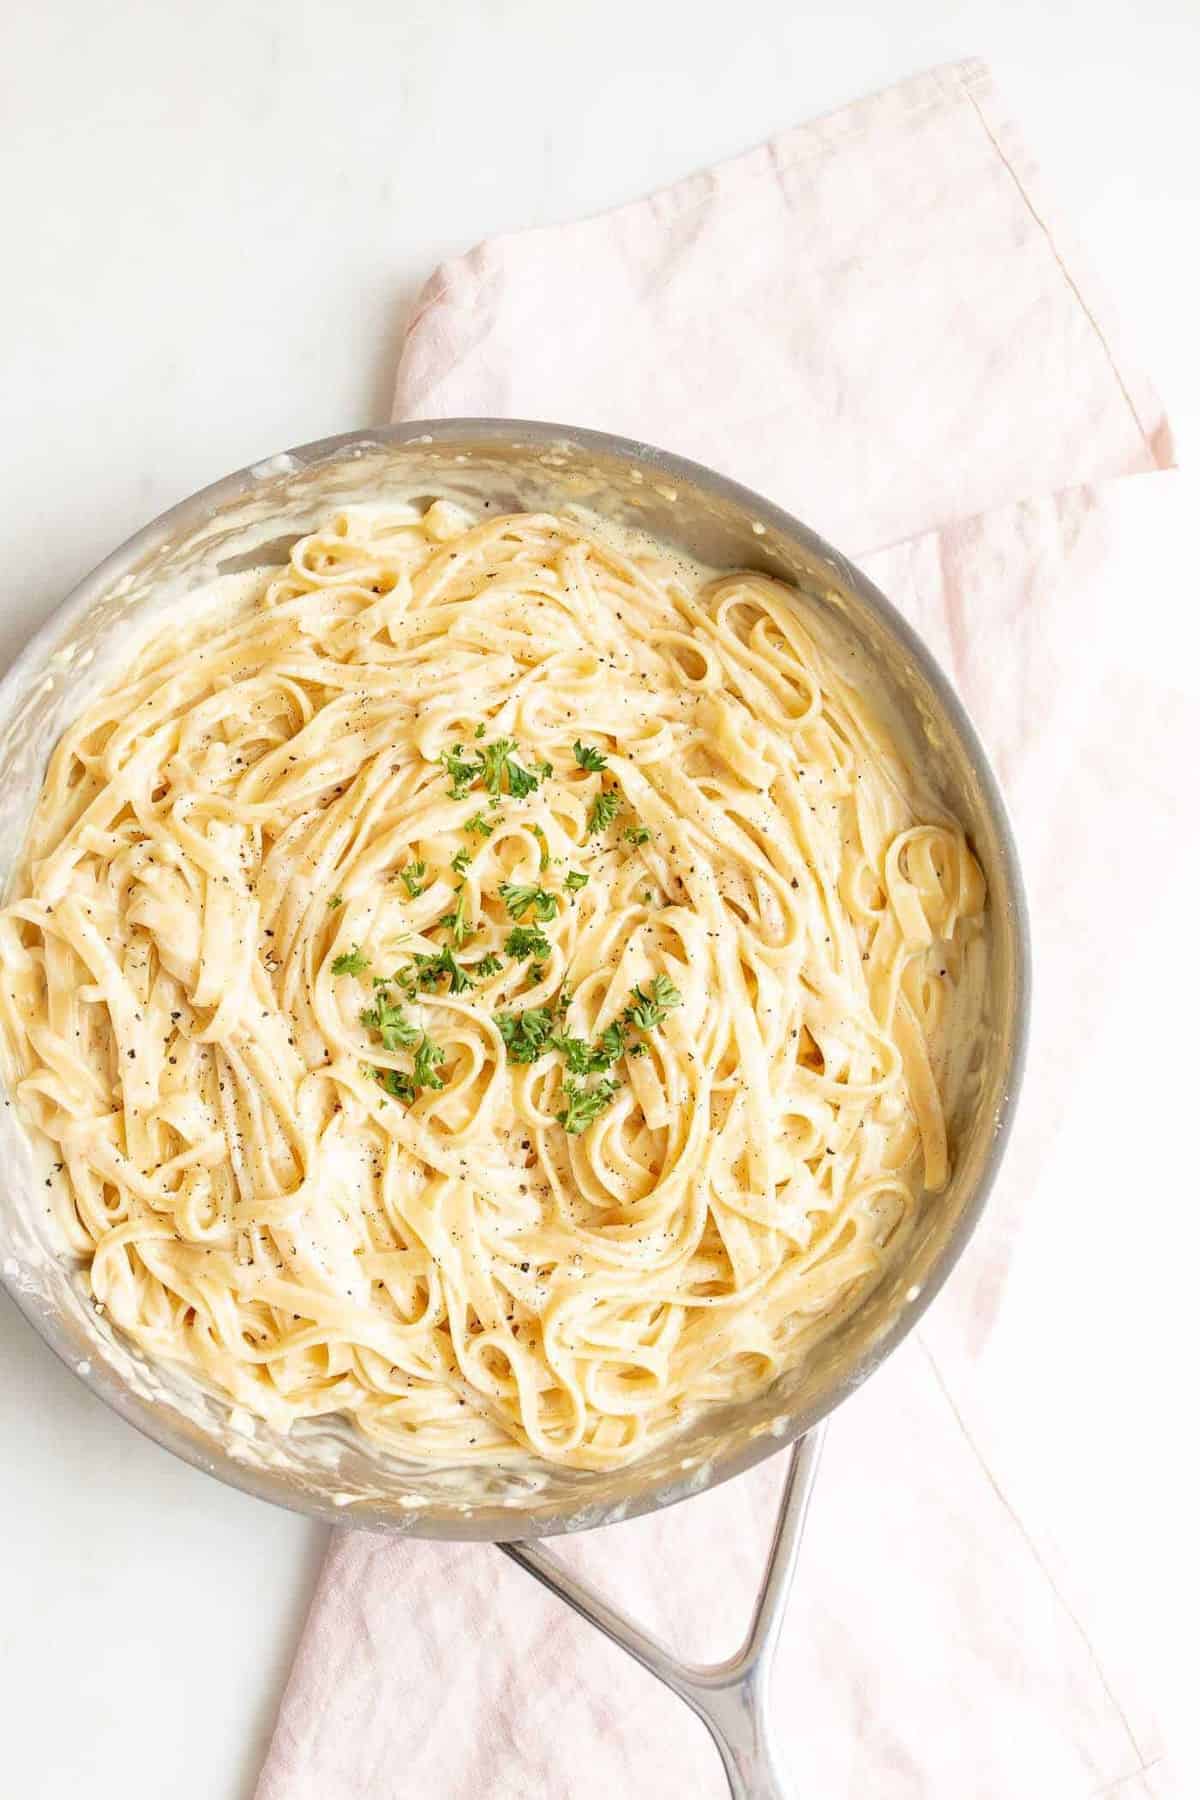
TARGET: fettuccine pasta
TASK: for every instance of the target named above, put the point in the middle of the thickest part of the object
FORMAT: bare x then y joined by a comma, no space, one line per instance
492,983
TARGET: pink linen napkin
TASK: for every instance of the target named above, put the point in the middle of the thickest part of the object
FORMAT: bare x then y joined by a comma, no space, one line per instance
873,320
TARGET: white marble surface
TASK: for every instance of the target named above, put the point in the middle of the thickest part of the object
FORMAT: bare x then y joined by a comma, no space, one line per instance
214,221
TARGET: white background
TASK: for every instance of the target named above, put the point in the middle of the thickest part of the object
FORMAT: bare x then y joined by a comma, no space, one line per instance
214,219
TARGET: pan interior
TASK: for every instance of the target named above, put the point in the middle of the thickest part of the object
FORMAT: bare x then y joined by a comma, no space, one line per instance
326,1468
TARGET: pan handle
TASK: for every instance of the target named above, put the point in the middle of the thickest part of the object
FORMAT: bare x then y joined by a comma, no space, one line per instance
731,1697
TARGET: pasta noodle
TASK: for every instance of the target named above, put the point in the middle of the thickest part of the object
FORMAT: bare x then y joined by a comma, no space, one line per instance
489,981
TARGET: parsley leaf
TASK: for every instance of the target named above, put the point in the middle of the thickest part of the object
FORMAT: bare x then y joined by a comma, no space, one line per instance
520,781
526,1034
351,962
399,1086
584,1104
335,902
583,1058
576,879
456,921
479,825
481,731
397,1032
460,859
526,940
636,834
425,1060
604,810
500,769
461,769
498,766
648,1010
413,878
430,970
608,1045
588,757
579,1056
519,899
487,965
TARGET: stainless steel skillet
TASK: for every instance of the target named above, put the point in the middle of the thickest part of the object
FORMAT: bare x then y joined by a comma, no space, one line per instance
325,1470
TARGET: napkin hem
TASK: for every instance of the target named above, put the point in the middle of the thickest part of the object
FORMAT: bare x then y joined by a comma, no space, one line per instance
969,79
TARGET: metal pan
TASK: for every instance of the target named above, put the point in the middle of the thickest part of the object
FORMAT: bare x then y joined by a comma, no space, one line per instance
326,1470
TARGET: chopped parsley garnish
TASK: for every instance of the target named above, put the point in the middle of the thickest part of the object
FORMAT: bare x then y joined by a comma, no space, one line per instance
648,1010
544,769
609,1044
461,769
604,810
526,940
496,764
399,1086
478,824
396,1030
487,965
543,848
636,834
588,757
413,878
350,962
426,1057
526,1034
580,1056
456,922
583,1058
584,1104
645,1010
481,731
430,970
335,902
519,900
459,860
500,769
534,974
576,879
